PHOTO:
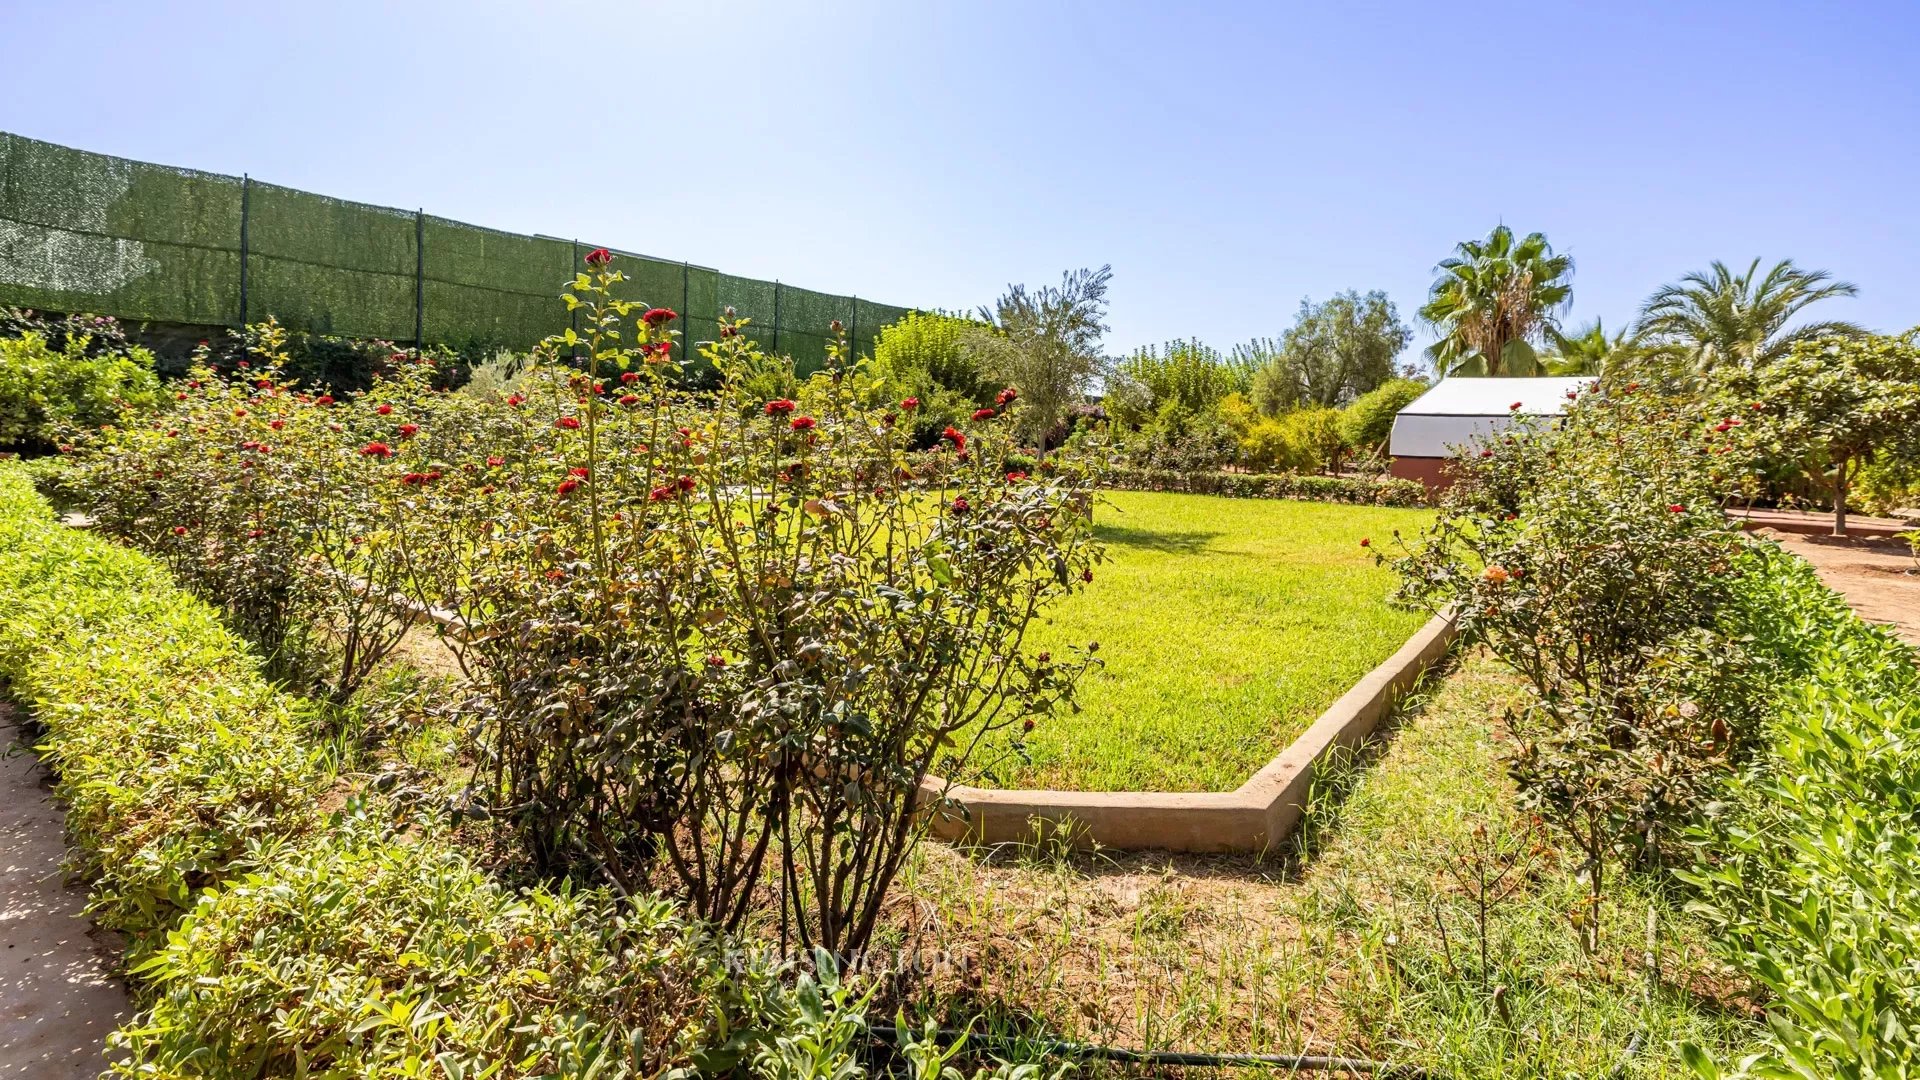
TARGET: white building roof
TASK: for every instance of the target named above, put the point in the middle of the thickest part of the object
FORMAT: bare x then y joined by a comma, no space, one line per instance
1460,411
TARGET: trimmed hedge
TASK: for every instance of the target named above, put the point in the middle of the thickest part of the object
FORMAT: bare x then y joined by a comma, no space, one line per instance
270,939
1369,491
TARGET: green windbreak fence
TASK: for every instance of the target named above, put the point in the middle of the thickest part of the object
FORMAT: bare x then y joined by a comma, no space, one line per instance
84,232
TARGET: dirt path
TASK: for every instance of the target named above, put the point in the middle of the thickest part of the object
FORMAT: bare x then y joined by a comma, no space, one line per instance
59,997
1875,575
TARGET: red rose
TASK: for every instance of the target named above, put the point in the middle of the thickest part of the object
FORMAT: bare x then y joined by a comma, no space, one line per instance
1486,453
983,414
629,399
961,505
515,399
566,486
661,493
910,404
496,462
658,315
179,530
570,423
779,406
1005,397
686,483
1677,509
239,412
1366,542
953,436
1515,407
629,376
277,424
263,383
180,397
580,471
658,351
376,449
408,431
323,400
1757,406
802,423
384,410
1016,476
599,257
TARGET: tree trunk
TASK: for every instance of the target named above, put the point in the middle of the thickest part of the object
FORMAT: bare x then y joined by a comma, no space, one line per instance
1840,498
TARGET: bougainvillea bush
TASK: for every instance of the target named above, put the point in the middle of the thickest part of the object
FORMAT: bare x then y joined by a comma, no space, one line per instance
1592,555
720,637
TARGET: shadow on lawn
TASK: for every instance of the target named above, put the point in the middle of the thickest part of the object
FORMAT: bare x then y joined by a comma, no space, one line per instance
1171,541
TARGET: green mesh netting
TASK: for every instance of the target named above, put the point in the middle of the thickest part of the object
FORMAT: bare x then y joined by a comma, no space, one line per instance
85,232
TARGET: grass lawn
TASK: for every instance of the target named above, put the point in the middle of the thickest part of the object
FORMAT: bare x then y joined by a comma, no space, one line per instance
1227,626
1368,945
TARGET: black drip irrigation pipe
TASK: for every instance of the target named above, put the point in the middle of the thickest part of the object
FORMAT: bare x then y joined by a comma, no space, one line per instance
1089,1052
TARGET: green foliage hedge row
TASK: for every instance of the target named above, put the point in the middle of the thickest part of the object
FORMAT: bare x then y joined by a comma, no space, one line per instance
1814,873
271,940
1370,491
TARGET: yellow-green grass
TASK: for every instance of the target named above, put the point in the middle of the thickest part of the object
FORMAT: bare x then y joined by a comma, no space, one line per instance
1226,627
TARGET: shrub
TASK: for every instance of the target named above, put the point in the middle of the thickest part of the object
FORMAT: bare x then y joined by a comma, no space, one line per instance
46,392
1812,875
1368,421
1593,557
173,755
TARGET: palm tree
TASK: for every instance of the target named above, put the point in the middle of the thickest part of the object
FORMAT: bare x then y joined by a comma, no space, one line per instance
1589,351
1492,300
1717,317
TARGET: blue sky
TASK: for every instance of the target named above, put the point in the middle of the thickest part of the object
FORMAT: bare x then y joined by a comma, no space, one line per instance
1227,159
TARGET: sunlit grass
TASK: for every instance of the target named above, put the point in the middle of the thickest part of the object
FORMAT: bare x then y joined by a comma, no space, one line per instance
1226,627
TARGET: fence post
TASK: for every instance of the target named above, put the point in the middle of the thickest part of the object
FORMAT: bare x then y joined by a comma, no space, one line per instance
776,316
246,198
419,278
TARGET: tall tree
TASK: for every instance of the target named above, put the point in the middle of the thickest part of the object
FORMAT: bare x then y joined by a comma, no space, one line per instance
1833,402
1588,350
1334,352
1046,342
1493,300
1715,317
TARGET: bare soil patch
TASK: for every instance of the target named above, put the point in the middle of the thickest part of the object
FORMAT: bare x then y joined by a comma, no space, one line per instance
1875,574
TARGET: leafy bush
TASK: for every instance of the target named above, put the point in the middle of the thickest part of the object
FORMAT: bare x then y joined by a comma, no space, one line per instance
173,754
1593,557
1813,873
1368,421
1367,490
46,391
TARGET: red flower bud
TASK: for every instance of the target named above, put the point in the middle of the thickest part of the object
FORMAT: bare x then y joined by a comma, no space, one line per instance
376,449
657,316
961,505
1366,542
384,410
1677,509
599,257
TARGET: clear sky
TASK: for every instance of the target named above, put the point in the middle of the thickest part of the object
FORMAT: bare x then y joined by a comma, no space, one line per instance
1227,159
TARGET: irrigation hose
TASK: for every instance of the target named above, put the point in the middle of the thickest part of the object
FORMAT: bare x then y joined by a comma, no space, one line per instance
1086,1051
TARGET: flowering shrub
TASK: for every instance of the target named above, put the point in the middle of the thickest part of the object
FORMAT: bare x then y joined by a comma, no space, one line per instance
1365,490
1594,558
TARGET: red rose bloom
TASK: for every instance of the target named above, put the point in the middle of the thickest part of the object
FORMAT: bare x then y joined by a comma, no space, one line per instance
263,383
566,486
1365,542
408,431
953,436
961,505
514,399
580,471
179,530
277,424
384,410
1677,509
910,404
1515,407
629,376
629,399
1005,397
496,462
779,406
686,483
1016,476
599,257
570,423
802,423
376,449
658,315
323,400
661,493
983,414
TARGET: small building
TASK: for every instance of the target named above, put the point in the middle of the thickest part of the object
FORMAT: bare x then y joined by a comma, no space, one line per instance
1460,412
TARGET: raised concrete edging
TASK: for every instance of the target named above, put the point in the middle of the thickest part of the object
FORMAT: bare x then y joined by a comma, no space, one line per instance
1256,816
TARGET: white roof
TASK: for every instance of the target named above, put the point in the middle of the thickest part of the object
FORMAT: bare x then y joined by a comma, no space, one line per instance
1459,412
1469,396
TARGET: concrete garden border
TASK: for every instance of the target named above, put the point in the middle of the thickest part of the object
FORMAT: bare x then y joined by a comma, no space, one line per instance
1256,816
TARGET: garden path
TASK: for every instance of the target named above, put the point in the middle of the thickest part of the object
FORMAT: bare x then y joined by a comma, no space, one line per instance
1877,576
59,996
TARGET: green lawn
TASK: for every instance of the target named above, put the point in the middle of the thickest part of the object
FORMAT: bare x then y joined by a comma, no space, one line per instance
1227,626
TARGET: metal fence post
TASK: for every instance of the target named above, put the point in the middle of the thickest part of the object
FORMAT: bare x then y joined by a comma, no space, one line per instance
246,198
419,279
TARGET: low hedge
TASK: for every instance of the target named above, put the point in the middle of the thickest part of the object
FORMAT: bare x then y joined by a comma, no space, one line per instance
1813,870
268,938
1369,490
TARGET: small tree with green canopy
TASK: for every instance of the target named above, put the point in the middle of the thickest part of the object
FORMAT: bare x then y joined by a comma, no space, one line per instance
1334,352
928,356
1832,403
1046,343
